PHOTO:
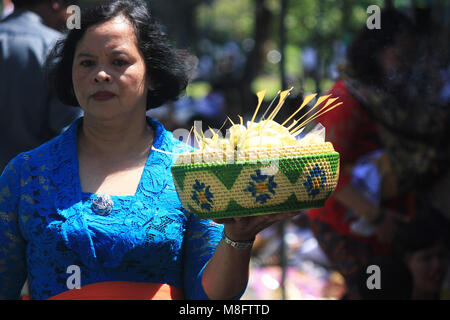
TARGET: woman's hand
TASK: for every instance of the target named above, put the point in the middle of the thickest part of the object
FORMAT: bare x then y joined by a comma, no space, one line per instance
226,273
246,228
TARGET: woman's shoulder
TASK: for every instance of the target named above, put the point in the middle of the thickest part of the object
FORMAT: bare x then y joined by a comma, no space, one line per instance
21,171
168,142
29,158
45,154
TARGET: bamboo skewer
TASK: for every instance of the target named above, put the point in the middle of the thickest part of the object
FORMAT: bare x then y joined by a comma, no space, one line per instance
270,105
307,99
189,136
260,96
294,122
330,101
294,129
325,111
283,97
197,137
315,116
318,103
224,123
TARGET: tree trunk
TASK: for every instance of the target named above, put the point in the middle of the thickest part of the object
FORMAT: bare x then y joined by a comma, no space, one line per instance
255,60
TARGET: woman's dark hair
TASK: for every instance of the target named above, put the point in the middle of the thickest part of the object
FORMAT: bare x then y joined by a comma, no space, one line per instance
362,54
164,64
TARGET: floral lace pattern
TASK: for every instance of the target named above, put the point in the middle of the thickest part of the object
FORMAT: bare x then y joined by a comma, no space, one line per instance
47,224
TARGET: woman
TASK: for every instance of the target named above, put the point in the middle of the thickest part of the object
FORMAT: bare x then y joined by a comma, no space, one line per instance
97,199
376,60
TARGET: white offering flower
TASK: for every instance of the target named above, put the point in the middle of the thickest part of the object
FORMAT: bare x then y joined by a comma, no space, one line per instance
268,133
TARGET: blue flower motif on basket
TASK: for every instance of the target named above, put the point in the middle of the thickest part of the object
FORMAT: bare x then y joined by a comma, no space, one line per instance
262,186
315,182
202,195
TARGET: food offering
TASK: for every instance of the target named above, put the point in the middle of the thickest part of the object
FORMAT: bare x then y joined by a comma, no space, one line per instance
260,167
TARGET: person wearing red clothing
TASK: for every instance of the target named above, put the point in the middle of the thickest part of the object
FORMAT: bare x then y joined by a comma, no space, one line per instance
372,59
353,134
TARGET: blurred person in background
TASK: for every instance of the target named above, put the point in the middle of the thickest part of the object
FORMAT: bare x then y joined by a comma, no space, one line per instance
31,114
423,245
395,282
381,111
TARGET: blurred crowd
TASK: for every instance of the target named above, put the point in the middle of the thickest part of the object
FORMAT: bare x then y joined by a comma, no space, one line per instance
391,207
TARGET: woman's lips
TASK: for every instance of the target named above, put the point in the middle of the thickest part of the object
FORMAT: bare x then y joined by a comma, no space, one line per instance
103,95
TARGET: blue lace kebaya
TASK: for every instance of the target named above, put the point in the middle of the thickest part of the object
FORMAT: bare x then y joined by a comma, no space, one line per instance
47,224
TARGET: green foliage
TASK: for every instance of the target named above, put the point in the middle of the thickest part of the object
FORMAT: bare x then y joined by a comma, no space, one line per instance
208,24
308,23
198,89
328,19
226,20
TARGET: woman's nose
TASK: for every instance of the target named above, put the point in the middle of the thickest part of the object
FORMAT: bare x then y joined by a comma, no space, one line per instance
102,76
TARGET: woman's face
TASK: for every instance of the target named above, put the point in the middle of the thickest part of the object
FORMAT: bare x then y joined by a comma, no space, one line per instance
428,268
108,72
396,59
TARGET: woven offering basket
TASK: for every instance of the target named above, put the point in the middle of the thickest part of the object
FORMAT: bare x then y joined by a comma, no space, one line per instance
216,185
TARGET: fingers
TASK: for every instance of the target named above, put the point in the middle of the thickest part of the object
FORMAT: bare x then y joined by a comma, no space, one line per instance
263,221
283,216
271,219
248,227
223,220
259,218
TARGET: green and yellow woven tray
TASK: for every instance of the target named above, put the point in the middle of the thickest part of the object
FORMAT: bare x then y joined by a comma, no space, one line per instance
260,168
244,184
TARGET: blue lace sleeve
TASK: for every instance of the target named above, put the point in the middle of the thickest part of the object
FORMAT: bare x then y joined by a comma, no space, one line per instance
200,241
12,245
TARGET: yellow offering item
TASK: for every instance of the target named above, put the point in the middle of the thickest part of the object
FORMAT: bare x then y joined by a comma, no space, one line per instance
267,133
260,167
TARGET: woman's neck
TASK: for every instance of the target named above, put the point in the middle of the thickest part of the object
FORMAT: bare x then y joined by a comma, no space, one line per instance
114,138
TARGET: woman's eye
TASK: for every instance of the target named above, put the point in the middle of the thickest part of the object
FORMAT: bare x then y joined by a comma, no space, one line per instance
119,62
86,63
